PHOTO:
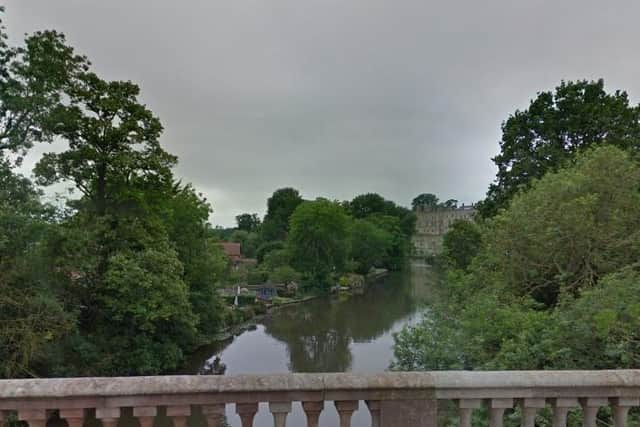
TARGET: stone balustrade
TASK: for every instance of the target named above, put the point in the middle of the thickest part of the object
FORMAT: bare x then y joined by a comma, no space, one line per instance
392,399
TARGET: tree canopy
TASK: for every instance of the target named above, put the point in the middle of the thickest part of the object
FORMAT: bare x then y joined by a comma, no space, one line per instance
550,282
33,81
280,207
318,238
555,127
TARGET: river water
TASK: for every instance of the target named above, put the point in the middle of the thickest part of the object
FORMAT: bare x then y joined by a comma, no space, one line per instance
333,334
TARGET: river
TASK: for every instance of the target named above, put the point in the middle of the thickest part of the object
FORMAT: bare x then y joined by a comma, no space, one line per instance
333,334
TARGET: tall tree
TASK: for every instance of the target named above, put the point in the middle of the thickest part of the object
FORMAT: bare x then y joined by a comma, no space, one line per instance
555,127
280,206
570,229
319,239
33,79
115,160
32,313
424,199
248,222
369,244
368,204
113,144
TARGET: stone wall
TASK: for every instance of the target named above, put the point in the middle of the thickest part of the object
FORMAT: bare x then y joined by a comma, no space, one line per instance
432,224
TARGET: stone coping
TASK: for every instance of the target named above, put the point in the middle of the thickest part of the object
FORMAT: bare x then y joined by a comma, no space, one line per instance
194,384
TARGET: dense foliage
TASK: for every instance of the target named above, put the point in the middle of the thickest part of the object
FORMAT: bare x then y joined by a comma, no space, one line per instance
317,242
122,279
553,281
553,129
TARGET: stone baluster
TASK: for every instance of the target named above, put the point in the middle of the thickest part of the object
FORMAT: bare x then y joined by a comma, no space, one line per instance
74,417
313,411
374,410
109,416
246,411
530,408
179,414
621,406
466,407
561,408
145,415
496,411
590,407
214,414
346,409
280,410
33,417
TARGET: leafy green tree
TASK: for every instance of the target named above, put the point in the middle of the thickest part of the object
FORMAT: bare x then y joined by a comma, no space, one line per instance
369,244
397,248
424,199
280,207
113,145
372,204
462,243
145,324
248,222
368,204
553,129
32,312
268,247
33,80
284,274
185,217
570,229
554,285
451,203
600,329
276,258
249,242
318,239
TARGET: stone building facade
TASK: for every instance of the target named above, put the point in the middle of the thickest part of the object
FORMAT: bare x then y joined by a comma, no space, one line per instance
432,224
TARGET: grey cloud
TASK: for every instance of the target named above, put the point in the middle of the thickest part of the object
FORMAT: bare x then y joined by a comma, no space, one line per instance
339,97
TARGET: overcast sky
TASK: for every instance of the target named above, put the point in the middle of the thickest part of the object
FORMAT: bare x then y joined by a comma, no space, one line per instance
341,97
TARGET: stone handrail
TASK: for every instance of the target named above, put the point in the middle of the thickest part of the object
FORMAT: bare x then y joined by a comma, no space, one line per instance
392,399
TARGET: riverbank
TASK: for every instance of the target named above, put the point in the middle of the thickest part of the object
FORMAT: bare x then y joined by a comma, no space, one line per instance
282,302
331,333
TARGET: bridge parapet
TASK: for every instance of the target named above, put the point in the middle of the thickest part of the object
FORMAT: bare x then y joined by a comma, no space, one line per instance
392,399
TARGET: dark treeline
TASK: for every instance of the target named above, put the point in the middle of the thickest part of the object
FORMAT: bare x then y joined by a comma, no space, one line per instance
318,242
548,275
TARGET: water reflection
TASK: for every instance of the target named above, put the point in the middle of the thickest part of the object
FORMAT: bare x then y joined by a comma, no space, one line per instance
333,334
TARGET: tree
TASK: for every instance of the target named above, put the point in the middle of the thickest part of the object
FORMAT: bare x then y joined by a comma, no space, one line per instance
318,239
369,245
570,229
372,204
185,215
368,204
451,203
248,222
462,243
145,317
32,314
601,326
280,207
33,79
113,144
250,242
556,126
424,199
395,255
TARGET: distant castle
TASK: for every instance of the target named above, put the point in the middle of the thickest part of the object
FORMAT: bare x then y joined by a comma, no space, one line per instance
432,224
